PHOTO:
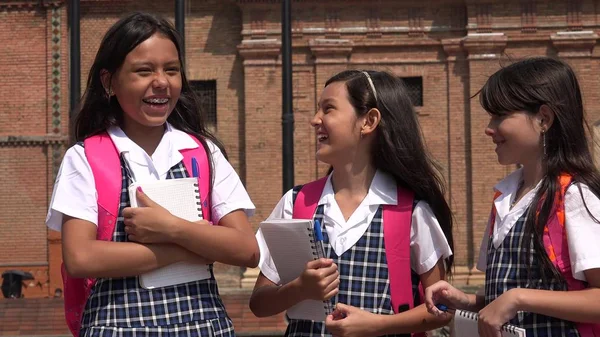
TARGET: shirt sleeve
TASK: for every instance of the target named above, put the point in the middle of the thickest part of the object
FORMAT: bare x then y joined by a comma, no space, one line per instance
283,210
228,192
583,232
428,244
74,191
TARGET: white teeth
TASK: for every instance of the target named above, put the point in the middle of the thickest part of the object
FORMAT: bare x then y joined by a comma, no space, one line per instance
321,137
157,100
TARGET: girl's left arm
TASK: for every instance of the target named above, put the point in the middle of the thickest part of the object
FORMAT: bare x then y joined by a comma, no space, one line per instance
362,323
231,242
576,306
417,319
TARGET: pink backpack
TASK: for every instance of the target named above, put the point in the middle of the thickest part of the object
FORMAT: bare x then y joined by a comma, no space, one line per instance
105,163
396,233
557,247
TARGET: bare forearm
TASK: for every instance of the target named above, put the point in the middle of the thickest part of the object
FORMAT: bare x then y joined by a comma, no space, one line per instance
576,306
270,300
119,259
476,303
218,243
415,320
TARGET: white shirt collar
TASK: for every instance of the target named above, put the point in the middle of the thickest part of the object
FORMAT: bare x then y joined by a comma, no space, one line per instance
510,183
383,191
174,138
166,155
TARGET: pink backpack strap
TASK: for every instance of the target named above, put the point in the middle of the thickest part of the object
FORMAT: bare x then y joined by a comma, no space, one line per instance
307,199
557,248
104,161
204,174
397,220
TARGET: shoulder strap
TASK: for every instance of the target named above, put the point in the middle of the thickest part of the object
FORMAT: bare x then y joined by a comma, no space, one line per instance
493,213
308,198
204,178
396,233
103,157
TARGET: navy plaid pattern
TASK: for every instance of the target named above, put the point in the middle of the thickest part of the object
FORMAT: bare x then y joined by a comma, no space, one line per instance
364,281
507,268
120,307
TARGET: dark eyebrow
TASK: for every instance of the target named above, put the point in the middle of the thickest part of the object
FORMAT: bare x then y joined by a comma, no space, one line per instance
146,63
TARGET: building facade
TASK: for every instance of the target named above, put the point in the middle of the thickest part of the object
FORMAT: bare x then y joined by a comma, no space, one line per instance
444,50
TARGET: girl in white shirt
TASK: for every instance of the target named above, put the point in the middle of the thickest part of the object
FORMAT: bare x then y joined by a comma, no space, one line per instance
546,284
137,93
368,132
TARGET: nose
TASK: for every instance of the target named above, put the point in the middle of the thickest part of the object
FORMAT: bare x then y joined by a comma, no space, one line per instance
160,80
490,129
316,120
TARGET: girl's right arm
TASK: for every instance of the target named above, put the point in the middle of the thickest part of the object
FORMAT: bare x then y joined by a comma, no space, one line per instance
319,281
84,256
443,292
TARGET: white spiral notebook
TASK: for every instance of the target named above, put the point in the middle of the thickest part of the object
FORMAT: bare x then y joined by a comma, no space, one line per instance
465,325
291,244
181,197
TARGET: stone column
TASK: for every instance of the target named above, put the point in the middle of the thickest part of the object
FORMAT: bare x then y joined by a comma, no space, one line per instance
262,110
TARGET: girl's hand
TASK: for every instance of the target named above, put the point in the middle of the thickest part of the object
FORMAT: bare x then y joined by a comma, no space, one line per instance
497,313
320,279
149,223
349,321
444,293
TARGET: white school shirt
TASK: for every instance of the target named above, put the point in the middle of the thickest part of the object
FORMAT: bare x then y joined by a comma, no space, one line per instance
427,241
583,233
75,191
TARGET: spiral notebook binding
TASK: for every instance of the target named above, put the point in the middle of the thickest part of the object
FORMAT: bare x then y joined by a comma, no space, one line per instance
317,248
313,246
199,200
468,314
510,328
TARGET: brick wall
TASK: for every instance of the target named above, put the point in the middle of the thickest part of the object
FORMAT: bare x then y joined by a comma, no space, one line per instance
237,43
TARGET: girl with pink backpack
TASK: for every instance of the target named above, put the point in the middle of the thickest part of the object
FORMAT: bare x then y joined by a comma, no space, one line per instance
540,252
386,225
141,121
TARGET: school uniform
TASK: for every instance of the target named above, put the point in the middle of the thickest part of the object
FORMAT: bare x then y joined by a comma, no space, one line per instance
503,258
119,306
357,247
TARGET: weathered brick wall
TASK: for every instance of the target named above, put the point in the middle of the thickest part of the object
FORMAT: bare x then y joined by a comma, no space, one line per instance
237,43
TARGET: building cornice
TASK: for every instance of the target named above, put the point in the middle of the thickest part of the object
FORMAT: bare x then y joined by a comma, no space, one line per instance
19,141
29,4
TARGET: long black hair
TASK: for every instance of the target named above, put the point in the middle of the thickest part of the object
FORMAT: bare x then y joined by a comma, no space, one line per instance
526,86
98,112
398,148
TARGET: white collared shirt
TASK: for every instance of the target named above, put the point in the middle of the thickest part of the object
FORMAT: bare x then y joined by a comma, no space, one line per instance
75,191
583,233
427,241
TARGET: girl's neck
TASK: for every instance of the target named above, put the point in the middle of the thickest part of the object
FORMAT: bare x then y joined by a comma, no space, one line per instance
145,137
352,179
532,174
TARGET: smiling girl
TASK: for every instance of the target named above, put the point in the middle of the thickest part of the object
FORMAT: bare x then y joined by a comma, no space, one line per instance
139,100
368,132
540,254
